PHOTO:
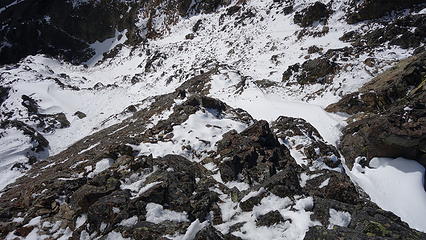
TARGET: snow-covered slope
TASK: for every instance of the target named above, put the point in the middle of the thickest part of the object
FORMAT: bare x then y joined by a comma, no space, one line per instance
246,50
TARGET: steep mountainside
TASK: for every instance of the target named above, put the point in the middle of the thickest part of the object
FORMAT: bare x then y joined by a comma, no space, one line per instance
212,119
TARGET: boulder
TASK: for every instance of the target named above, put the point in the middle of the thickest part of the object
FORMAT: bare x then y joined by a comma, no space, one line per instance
332,185
319,70
4,94
270,219
314,149
80,115
283,184
209,233
255,154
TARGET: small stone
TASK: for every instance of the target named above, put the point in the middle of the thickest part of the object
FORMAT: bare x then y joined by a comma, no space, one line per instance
80,115
269,219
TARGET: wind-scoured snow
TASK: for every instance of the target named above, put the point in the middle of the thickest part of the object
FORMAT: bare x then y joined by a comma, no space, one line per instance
13,147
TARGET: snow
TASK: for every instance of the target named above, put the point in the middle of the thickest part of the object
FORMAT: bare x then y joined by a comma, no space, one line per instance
253,194
193,229
241,186
101,166
135,183
146,188
13,148
242,52
325,183
102,47
200,131
89,148
155,213
80,221
305,177
338,218
271,106
252,45
115,236
423,11
395,185
129,222
298,212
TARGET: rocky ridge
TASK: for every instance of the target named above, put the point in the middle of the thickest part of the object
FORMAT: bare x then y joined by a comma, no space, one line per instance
389,115
172,155
220,190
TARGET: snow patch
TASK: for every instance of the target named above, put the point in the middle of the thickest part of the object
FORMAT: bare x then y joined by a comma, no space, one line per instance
338,218
101,166
155,213
395,185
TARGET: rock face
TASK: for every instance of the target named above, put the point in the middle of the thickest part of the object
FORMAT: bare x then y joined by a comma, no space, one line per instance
39,142
372,9
64,29
59,28
390,114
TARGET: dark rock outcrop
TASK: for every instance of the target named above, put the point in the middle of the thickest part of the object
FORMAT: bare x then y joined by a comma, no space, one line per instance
407,32
38,141
317,12
60,28
65,29
372,9
390,114
315,149
269,219
43,122
253,155
4,93
367,221
398,133
319,70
